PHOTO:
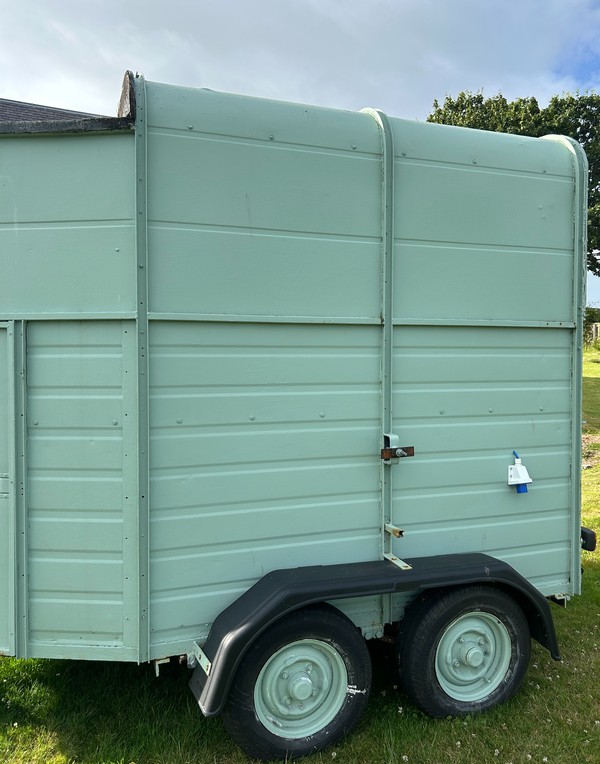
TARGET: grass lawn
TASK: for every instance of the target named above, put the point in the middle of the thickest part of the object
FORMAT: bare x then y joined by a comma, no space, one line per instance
57,712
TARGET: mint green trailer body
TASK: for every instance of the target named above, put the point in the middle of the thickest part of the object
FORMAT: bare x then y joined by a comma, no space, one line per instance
213,309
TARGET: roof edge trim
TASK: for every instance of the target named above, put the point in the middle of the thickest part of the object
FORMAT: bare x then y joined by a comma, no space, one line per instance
63,126
124,121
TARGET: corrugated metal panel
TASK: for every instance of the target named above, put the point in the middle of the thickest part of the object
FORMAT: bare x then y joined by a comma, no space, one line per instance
81,489
466,397
264,436
259,208
485,241
264,454
479,218
67,236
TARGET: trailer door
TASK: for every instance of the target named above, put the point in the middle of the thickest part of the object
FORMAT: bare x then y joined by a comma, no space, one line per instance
6,504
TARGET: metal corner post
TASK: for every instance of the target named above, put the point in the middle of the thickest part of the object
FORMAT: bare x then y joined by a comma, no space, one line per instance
387,313
580,166
580,178
19,383
141,185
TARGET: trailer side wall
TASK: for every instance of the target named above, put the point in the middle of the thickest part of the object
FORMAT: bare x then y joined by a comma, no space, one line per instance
264,298
67,244
198,363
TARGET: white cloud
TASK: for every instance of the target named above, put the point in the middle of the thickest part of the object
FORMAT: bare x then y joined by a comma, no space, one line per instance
394,54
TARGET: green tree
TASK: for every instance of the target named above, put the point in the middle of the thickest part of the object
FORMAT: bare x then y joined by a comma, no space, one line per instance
575,115
591,316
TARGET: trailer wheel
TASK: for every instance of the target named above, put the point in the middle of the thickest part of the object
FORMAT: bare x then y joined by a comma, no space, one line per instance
301,687
464,650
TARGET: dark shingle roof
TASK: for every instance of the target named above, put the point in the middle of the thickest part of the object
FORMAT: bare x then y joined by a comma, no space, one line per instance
17,111
19,118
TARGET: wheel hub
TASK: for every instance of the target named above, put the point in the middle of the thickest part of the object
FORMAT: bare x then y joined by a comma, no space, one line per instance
301,688
473,656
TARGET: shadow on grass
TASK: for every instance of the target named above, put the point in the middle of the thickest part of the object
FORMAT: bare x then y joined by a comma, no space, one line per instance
112,712
107,712
103,713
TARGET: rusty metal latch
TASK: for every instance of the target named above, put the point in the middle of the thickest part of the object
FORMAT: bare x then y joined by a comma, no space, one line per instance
392,450
387,454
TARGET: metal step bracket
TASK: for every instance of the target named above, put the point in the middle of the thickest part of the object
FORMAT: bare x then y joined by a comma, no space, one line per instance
397,561
197,657
397,533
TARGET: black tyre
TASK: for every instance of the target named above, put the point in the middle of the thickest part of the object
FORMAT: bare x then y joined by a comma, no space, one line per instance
301,687
463,651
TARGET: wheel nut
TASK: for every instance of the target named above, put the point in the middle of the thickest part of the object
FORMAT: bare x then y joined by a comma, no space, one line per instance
285,675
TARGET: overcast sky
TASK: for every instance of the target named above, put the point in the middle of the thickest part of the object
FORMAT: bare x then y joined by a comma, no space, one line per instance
396,55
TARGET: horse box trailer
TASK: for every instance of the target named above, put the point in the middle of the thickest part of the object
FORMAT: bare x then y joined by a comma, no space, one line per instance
263,370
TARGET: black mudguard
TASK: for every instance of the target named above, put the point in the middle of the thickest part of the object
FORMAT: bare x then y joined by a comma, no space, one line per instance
588,539
282,591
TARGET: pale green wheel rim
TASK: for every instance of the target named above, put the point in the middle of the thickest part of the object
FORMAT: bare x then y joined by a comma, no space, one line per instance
473,656
301,689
